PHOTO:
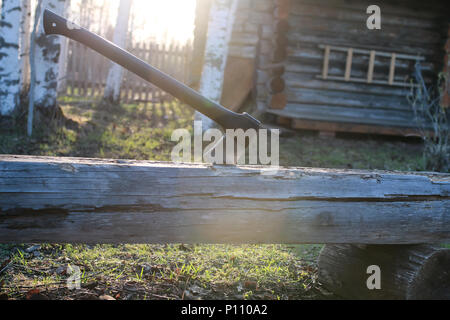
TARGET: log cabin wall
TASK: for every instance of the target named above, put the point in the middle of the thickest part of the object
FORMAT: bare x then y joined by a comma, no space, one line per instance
250,50
407,27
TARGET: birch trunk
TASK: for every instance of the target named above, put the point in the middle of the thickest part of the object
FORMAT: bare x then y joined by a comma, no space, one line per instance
201,28
9,56
25,44
47,51
220,27
115,74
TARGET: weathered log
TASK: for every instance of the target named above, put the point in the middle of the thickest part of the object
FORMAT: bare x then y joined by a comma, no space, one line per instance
276,85
46,199
282,9
278,101
381,117
356,13
406,272
354,100
279,54
353,127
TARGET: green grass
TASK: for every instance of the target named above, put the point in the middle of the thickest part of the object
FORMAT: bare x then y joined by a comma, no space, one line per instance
176,271
166,271
361,152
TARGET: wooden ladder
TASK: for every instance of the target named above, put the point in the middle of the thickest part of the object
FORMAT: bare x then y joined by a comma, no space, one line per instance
372,56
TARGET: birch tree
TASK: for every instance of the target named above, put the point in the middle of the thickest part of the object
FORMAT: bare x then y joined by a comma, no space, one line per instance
115,74
9,55
46,56
25,43
220,27
63,57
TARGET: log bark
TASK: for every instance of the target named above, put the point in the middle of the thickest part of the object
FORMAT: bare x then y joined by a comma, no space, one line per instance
46,57
220,28
407,272
115,201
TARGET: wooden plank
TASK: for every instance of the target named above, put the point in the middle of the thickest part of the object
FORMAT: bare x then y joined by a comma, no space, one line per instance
392,69
411,9
326,59
371,66
313,54
336,72
355,100
341,38
370,80
358,14
353,128
378,53
403,35
46,199
238,82
348,64
390,118
309,81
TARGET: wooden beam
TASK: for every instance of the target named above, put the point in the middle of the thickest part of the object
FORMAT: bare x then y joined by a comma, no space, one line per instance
73,200
392,69
348,65
326,60
354,128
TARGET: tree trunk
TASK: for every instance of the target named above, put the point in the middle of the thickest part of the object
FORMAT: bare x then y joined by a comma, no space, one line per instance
201,27
25,44
9,56
62,66
32,62
220,27
407,272
47,51
115,74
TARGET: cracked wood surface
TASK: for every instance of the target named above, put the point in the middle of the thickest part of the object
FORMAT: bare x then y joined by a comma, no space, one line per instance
45,199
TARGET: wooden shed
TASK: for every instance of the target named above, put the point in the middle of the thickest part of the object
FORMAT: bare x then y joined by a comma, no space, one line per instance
318,66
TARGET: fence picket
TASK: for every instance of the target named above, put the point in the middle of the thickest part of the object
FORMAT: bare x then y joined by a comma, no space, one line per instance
87,72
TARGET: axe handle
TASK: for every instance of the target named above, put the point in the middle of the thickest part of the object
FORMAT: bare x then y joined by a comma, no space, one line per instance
57,25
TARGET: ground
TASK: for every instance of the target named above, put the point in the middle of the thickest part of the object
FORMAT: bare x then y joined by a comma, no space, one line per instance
30,271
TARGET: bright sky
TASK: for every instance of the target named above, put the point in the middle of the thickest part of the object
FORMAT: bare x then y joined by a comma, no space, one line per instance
157,19
161,18
152,20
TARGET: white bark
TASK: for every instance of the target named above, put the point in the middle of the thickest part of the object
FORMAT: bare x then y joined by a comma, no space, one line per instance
25,43
9,56
115,74
47,52
62,66
220,27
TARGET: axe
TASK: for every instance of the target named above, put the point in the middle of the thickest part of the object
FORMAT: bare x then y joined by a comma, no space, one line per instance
227,119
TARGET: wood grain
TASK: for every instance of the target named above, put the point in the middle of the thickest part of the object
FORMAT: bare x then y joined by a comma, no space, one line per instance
122,201
414,272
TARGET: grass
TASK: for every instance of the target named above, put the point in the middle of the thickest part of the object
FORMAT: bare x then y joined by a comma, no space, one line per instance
135,131
164,271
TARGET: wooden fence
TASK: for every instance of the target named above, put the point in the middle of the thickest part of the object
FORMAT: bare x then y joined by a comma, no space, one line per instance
87,71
